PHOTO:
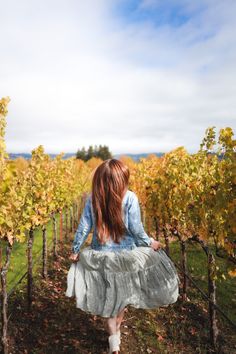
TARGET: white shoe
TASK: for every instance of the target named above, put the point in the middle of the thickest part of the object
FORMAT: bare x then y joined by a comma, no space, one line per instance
114,343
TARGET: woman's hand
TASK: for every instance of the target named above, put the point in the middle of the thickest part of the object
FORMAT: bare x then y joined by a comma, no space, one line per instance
156,245
74,257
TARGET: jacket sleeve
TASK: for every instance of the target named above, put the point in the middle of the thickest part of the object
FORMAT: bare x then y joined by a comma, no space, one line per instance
135,224
84,227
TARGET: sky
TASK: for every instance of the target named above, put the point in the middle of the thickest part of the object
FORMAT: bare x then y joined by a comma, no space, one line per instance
138,76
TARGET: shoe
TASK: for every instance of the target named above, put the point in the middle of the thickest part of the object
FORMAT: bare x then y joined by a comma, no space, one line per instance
114,344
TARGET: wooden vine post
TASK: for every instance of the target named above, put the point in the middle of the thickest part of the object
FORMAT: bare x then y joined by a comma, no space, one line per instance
211,266
79,208
184,263
71,219
54,230
167,242
66,222
144,217
61,226
4,298
45,253
212,296
156,228
0,257
30,268
148,225
74,214
184,267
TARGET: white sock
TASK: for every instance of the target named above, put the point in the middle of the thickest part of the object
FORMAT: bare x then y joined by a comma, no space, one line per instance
114,343
118,333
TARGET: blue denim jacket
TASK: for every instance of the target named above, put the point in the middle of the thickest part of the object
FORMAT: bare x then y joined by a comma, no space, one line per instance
132,219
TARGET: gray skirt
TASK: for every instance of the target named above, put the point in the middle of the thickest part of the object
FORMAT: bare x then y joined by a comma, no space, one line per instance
104,282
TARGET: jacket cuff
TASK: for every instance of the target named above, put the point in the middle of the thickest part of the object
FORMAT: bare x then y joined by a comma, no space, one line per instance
75,250
151,239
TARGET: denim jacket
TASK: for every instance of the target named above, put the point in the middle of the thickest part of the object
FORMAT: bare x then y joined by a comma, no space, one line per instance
136,235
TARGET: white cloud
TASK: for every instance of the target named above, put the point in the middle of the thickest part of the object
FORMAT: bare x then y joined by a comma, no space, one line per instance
79,74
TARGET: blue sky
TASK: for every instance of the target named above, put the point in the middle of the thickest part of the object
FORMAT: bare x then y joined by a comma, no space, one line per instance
159,13
138,76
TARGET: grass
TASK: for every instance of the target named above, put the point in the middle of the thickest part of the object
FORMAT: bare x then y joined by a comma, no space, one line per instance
197,269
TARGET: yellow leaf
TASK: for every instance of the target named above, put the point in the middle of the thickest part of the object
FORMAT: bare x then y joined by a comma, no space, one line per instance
232,273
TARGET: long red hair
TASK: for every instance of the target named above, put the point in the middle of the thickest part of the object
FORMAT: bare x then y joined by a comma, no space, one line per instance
109,185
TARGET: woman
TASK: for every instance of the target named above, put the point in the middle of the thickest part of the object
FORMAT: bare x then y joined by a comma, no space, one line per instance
123,265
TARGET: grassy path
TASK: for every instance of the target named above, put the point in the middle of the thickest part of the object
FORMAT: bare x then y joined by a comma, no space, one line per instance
55,326
18,264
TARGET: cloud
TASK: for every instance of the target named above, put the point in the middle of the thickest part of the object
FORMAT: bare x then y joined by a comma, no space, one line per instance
81,73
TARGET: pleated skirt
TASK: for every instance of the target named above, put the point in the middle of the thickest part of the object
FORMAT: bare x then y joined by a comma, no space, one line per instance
104,282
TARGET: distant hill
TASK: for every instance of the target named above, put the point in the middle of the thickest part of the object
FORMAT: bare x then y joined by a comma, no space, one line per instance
27,156
135,157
